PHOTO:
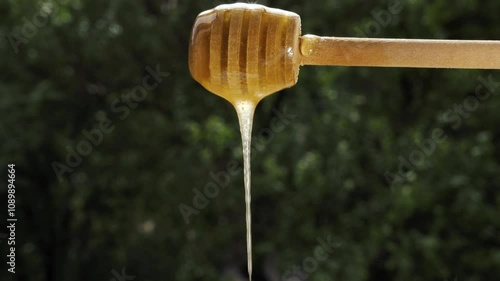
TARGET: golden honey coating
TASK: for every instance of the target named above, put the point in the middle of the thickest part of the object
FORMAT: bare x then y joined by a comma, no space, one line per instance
245,51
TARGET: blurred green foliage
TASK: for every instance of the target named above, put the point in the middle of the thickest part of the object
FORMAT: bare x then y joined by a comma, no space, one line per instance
323,174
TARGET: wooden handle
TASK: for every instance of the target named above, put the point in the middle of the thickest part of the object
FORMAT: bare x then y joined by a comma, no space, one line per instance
400,52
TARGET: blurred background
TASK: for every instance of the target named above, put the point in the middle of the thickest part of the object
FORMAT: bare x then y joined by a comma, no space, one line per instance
127,169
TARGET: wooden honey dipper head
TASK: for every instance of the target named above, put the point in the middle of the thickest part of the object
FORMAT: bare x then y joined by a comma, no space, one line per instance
244,51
